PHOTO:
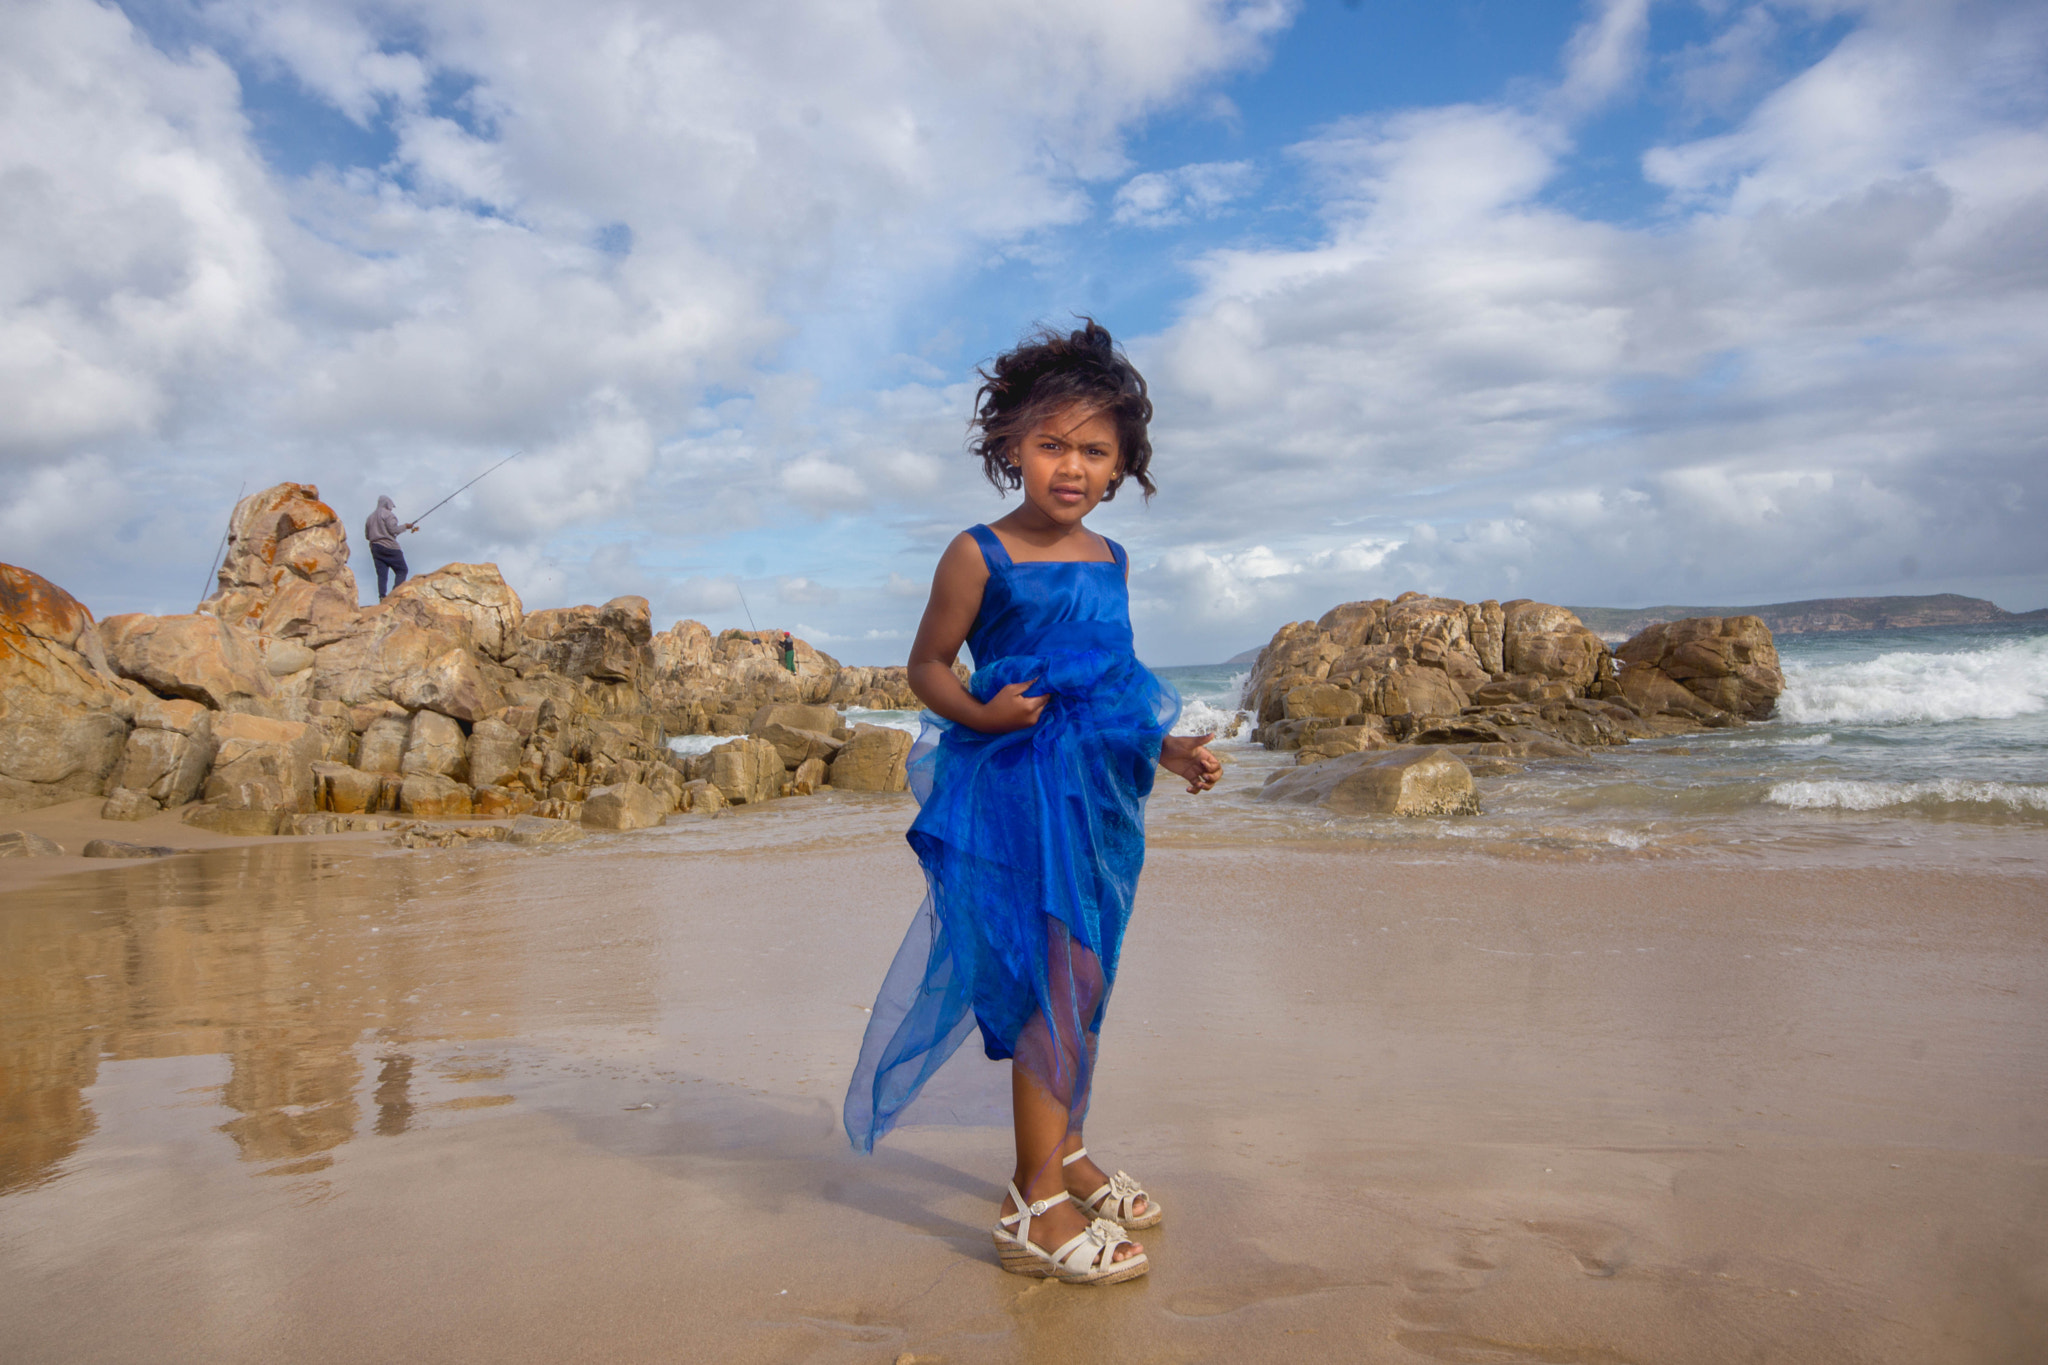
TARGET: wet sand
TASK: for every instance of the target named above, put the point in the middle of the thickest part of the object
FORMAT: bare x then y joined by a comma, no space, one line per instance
335,1101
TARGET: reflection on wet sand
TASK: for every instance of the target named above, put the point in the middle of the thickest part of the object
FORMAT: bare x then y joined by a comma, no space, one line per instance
274,957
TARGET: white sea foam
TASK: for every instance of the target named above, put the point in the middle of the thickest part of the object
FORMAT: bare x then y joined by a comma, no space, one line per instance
689,746
1997,683
1198,717
1844,794
909,721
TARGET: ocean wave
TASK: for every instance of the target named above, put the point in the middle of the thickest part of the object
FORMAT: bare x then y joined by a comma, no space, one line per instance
1198,717
1950,792
1998,683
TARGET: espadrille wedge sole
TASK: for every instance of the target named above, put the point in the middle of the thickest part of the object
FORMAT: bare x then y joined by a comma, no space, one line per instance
1085,1258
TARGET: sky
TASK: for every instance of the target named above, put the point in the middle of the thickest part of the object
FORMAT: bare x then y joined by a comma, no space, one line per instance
1620,303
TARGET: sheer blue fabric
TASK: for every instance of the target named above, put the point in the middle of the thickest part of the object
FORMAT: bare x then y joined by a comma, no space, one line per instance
1031,844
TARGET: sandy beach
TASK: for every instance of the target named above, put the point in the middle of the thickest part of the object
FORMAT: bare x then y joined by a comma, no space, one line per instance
332,1100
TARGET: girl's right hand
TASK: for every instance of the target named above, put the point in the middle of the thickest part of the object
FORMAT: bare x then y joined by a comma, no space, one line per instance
1010,710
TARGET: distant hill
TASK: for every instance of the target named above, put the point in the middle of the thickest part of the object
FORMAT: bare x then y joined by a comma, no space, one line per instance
1250,656
1819,615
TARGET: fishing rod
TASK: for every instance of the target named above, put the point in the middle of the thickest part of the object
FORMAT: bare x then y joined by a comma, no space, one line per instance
415,522
743,602
213,572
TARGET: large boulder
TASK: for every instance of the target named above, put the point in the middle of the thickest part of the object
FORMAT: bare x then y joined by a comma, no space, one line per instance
1728,662
604,643
1411,781
63,712
874,760
436,746
199,658
347,791
476,594
623,805
19,843
261,764
386,644
495,750
425,796
796,745
746,771
1543,641
286,572
168,752
452,685
382,746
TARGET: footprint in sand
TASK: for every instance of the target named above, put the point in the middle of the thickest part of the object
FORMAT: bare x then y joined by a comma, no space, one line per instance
1601,1249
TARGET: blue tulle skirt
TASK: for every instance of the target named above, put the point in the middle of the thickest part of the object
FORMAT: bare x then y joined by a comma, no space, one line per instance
1031,844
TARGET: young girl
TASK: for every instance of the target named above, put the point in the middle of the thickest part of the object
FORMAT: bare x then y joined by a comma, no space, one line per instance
1032,780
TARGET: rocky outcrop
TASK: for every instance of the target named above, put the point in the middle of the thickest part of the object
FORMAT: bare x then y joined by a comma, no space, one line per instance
286,572
1728,662
280,700
200,658
1498,681
64,713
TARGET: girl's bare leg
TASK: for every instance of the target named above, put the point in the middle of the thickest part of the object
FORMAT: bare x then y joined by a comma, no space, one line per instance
1042,1139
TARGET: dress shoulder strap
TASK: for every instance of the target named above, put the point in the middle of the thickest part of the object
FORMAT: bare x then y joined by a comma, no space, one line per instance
1123,561
992,552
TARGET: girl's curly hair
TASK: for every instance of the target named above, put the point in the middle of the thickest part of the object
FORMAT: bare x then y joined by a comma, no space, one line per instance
1050,371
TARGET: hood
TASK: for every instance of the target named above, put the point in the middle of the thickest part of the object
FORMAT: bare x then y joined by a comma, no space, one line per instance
384,503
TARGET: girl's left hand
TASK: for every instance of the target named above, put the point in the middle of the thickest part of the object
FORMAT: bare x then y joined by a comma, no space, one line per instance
1188,756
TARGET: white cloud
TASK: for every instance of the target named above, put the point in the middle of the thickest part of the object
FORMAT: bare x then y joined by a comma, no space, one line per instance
1163,198
1825,354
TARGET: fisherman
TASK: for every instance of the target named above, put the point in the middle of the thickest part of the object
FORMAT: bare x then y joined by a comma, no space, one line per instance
788,652
381,530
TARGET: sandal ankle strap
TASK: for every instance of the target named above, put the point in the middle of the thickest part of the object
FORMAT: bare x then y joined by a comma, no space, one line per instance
1068,1161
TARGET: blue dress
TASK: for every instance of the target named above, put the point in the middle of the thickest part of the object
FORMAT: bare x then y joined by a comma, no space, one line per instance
1031,844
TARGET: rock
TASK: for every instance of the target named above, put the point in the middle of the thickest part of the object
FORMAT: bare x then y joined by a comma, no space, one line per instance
63,711
795,746
345,790
435,745
19,843
1316,700
478,595
261,764
495,803
1350,739
746,771
199,658
1543,641
125,803
495,750
1413,689
385,644
1728,662
874,760
428,796
823,719
382,747
622,806
286,572
534,829
234,820
283,658
114,848
808,777
1409,781
1653,693
451,685
701,798
168,753
603,643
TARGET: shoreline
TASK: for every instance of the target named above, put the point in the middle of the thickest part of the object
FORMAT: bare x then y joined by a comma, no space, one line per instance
585,1099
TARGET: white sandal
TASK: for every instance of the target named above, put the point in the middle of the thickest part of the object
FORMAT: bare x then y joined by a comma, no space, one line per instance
1115,1199
1085,1258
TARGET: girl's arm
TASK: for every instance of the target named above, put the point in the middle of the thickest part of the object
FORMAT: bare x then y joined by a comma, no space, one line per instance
956,597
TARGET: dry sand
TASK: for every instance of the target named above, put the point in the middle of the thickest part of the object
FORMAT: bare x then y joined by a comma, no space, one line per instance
333,1101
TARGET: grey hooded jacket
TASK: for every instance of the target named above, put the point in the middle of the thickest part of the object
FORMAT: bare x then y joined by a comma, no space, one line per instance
383,526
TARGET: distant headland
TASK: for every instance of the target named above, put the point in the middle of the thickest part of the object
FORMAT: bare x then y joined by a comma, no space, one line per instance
1820,615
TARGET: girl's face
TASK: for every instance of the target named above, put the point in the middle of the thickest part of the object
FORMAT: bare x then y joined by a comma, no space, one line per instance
1068,459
